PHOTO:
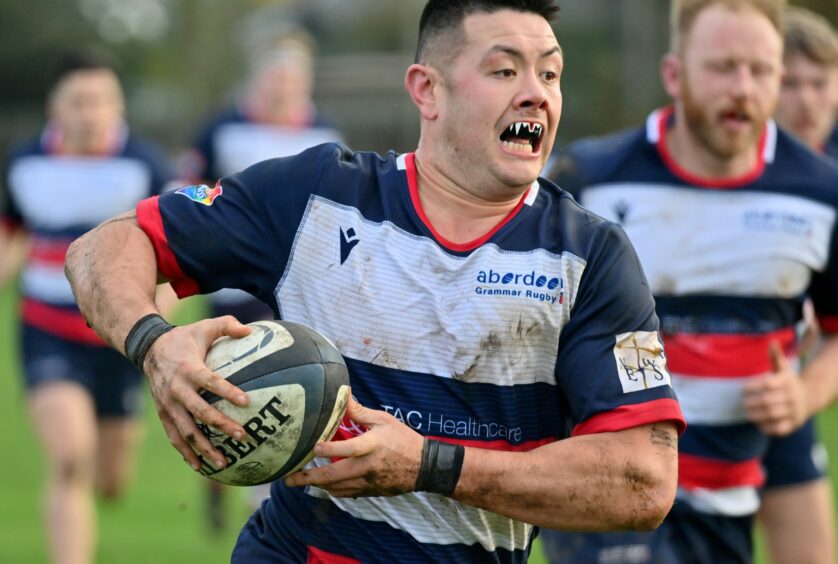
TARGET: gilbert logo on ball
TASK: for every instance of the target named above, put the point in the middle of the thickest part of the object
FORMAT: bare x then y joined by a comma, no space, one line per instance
298,387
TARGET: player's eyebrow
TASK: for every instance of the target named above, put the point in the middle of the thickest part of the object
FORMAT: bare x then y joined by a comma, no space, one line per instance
513,52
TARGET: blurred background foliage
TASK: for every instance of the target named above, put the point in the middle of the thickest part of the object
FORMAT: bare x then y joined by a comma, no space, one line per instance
183,59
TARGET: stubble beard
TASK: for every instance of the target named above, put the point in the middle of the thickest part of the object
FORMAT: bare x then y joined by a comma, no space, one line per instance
712,138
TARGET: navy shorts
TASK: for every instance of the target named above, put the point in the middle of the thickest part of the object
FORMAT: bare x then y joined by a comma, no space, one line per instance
686,537
795,459
112,381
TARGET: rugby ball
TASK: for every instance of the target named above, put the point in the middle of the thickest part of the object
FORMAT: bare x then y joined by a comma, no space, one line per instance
298,387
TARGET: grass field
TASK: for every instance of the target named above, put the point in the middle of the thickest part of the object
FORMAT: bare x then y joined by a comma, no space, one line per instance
162,519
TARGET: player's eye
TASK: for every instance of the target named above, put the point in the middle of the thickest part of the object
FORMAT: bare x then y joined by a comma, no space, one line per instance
505,73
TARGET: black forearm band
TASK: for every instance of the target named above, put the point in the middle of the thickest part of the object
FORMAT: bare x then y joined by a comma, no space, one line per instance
440,468
142,335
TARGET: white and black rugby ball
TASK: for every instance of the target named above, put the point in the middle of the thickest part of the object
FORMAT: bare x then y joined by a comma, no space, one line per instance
298,387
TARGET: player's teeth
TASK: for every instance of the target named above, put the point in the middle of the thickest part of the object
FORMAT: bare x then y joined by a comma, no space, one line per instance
518,147
517,128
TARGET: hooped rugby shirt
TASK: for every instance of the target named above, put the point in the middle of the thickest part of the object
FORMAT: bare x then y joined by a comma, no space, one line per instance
56,198
542,329
729,264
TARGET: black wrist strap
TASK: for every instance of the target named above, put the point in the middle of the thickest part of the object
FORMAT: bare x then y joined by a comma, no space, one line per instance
142,335
440,469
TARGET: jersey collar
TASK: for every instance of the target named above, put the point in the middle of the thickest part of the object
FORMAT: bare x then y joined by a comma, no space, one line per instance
657,128
407,163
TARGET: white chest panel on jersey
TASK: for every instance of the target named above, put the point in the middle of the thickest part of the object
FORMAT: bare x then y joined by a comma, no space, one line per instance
760,244
61,192
399,301
240,145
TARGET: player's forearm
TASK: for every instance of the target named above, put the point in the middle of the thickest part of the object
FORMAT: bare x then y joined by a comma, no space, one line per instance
608,481
113,272
13,247
820,376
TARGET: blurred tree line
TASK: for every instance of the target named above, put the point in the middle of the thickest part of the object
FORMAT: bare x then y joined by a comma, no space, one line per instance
182,59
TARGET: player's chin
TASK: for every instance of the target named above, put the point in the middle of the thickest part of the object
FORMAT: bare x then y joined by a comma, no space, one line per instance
521,173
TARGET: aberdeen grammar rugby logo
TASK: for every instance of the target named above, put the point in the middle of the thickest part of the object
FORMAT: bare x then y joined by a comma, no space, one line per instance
529,284
202,193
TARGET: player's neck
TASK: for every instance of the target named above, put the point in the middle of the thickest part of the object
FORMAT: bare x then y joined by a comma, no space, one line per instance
85,145
694,157
455,213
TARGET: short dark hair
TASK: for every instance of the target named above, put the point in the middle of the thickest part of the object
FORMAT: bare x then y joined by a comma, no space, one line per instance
441,16
89,59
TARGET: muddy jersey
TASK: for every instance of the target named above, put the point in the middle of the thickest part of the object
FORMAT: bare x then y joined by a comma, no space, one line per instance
56,198
542,329
729,264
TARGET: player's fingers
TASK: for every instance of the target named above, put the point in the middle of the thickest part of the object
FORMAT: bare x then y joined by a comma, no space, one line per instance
228,326
177,440
212,382
779,362
350,448
355,487
196,440
203,411
322,476
365,416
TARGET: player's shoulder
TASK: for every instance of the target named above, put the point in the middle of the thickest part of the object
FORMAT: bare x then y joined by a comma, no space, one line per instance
811,173
578,229
593,159
26,148
143,148
318,169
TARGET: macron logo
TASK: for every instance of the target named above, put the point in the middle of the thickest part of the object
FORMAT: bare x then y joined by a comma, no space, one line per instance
348,240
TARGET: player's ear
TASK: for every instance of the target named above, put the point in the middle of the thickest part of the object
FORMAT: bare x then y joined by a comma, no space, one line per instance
421,81
671,71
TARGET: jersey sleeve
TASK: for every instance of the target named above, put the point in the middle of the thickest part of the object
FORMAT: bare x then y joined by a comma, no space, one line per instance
611,364
237,234
10,215
823,289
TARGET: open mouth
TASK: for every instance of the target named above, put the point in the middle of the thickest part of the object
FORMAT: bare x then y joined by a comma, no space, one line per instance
523,137
736,117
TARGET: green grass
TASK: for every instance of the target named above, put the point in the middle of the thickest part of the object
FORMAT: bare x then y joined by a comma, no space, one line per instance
161,520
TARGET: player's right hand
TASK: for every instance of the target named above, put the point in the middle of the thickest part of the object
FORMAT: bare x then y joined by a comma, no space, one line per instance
176,371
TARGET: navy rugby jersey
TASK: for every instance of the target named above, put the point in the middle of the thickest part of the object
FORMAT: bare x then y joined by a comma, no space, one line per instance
730,264
542,329
233,141
830,148
56,198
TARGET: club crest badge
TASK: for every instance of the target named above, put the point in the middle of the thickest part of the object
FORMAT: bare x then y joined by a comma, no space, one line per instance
201,193
641,362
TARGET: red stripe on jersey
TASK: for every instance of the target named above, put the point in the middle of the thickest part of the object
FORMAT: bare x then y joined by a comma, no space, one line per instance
706,182
634,415
723,356
50,252
697,472
150,221
497,445
829,323
318,556
410,169
67,324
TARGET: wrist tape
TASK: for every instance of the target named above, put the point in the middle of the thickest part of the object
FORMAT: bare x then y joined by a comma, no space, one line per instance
440,469
142,335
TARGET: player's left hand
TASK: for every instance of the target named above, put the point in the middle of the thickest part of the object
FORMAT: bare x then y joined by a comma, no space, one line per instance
776,403
384,461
